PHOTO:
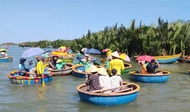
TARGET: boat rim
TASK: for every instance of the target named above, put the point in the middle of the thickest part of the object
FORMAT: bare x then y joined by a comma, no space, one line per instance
109,94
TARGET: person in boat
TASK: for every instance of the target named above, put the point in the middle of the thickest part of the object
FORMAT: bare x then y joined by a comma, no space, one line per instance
116,63
104,79
92,81
151,67
79,57
22,69
52,64
143,65
87,61
107,62
30,66
60,64
108,54
3,55
116,80
45,55
41,69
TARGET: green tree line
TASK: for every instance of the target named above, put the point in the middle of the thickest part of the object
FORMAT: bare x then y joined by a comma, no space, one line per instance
162,39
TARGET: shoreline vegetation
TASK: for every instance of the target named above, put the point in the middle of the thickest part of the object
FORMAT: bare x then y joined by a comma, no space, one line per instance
162,39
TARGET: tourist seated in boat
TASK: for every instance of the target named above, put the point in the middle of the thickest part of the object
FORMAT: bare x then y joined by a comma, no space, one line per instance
3,55
87,61
60,64
107,62
52,63
79,57
92,81
31,66
22,68
116,80
151,67
143,65
104,79
108,54
116,63
45,55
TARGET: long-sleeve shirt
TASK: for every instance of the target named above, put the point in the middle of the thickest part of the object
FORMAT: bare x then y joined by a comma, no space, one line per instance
40,68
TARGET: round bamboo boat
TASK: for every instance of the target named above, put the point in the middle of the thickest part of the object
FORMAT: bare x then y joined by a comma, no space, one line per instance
150,78
127,94
16,78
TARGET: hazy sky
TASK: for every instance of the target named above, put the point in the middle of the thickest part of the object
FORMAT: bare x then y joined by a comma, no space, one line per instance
34,20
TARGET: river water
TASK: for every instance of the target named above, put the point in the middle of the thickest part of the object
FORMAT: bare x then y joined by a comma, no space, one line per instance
60,94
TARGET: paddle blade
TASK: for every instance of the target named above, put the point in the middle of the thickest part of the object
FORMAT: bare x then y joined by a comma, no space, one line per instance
43,83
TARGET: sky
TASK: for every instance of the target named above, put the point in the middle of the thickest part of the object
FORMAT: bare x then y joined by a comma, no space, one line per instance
35,20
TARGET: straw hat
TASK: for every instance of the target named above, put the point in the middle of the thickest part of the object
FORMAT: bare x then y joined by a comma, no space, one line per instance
115,54
92,69
102,71
58,61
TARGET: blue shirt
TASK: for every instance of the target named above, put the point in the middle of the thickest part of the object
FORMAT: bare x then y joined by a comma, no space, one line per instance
21,67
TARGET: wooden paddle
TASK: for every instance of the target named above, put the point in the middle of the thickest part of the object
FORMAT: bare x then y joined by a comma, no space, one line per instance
43,83
103,90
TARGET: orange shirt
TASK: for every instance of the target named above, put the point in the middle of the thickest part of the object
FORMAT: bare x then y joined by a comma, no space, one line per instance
143,69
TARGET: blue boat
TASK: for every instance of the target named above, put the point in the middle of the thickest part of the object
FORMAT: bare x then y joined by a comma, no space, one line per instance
128,94
18,79
150,78
79,71
6,59
167,59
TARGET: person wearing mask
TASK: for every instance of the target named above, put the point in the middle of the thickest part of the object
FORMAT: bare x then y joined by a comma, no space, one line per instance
116,63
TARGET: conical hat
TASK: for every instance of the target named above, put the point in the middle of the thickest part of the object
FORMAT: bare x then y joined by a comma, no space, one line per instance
58,61
92,69
102,71
115,54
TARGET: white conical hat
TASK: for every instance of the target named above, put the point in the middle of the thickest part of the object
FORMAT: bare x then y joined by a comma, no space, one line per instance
115,54
92,69
102,71
58,61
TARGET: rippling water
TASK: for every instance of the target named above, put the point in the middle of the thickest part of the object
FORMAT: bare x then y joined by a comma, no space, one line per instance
60,94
